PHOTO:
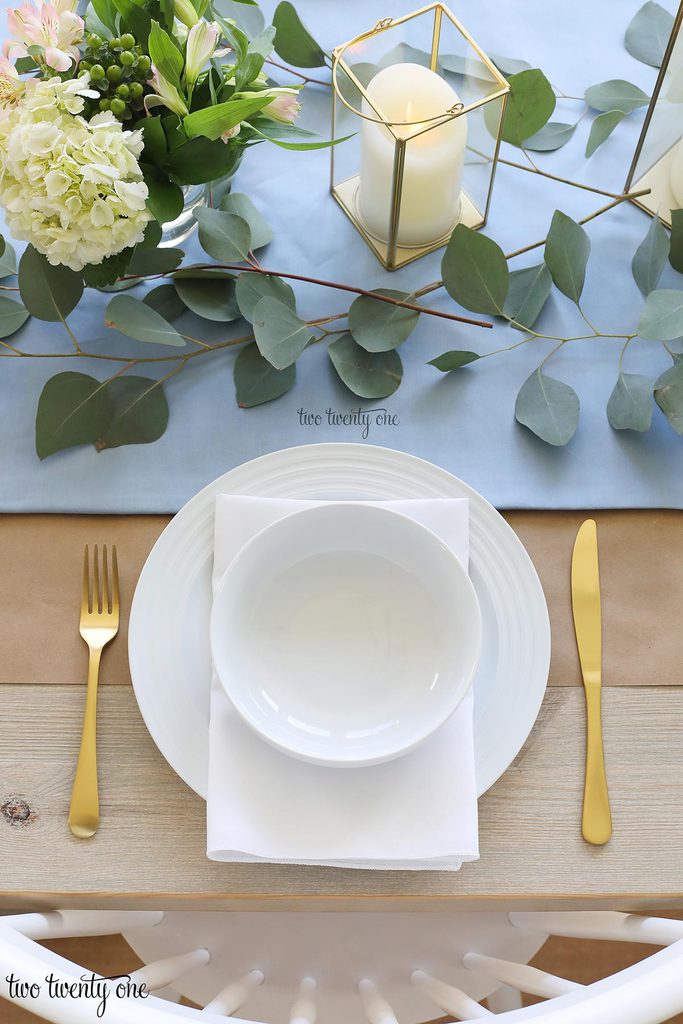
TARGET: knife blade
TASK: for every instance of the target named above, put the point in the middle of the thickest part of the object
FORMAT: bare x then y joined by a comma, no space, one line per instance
596,824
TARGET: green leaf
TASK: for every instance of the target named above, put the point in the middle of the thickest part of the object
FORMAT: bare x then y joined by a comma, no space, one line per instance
475,271
225,236
199,161
549,408
134,18
293,42
261,233
602,128
662,316
248,17
107,273
651,255
165,200
140,412
257,382
165,301
151,237
49,293
138,320
279,135
378,326
616,94
509,65
552,136
213,121
648,34
2,245
211,298
8,261
453,360
366,374
567,249
528,293
24,65
259,48
676,244
154,137
154,261
251,288
280,335
669,396
530,106
73,409
165,55
630,404
106,12
12,316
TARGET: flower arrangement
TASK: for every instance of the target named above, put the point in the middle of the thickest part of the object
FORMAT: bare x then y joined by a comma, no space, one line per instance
119,113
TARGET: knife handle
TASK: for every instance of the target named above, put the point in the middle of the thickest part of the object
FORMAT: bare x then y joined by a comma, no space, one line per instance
596,823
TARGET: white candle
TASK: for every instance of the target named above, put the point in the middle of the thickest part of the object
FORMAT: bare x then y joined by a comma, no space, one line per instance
676,175
430,196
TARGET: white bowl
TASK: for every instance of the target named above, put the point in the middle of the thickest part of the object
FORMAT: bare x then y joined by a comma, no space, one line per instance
345,634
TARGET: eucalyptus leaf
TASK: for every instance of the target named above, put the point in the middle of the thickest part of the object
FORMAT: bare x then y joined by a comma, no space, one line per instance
648,34
509,65
552,136
379,326
602,128
616,94
251,288
138,320
107,273
669,396
453,360
165,300
2,245
651,256
212,299
8,261
630,404
12,316
49,293
366,374
257,382
261,232
530,106
259,48
280,335
475,271
527,295
73,409
140,412
676,244
225,236
293,42
567,249
248,17
548,408
662,316
154,261
165,200
200,160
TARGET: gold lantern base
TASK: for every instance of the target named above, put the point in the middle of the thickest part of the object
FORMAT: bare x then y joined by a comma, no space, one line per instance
346,193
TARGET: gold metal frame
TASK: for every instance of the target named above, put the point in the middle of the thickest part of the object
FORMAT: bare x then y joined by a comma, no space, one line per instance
390,253
650,203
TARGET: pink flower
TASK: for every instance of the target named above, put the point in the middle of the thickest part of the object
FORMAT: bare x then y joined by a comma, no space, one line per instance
166,95
55,27
10,83
284,107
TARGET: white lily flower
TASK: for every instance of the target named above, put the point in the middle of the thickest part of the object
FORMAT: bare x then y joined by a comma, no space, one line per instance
201,45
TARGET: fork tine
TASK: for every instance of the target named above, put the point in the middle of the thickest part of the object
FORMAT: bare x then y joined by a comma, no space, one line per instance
115,581
96,596
106,598
85,600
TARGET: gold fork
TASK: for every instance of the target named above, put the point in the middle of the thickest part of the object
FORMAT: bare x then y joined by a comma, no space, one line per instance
99,625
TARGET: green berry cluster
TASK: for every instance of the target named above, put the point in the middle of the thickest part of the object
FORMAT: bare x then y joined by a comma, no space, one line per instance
118,70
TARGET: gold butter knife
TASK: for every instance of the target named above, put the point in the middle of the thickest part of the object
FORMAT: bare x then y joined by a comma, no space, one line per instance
596,823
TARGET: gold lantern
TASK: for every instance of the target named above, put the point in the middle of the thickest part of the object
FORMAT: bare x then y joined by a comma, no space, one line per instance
658,160
425,107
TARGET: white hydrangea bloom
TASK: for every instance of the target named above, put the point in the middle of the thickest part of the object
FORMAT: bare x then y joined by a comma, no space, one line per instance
70,187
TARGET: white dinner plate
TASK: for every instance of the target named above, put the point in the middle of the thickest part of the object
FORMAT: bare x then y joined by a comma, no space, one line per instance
169,625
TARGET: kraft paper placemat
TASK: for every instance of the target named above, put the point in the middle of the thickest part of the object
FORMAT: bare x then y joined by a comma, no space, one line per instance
641,574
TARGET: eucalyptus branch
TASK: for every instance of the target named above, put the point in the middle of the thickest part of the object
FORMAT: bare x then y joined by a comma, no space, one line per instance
298,74
533,169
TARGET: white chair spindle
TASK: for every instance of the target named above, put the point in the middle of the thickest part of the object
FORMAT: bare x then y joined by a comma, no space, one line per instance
235,994
505,999
164,972
69,924
521,976
304,1010
449,998
377,1009
601,924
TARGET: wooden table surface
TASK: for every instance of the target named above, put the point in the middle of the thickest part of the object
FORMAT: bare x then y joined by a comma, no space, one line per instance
150,850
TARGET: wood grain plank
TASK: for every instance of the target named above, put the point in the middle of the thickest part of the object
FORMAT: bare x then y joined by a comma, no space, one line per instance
151,847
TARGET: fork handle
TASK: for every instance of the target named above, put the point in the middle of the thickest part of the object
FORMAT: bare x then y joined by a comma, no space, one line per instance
84,813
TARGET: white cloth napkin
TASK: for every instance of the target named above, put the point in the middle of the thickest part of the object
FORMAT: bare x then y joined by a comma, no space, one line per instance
416,812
